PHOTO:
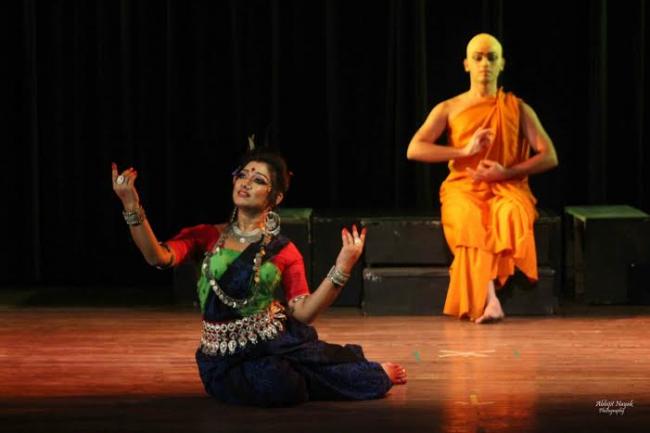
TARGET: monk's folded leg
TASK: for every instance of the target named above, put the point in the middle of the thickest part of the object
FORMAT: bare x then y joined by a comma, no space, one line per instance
464,219
512,225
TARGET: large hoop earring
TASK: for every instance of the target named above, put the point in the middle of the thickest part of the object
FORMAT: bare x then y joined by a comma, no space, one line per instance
272,224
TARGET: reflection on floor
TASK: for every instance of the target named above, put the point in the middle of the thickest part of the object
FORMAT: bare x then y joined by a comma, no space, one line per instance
91,369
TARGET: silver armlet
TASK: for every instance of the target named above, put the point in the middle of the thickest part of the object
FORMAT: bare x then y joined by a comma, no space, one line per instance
171,258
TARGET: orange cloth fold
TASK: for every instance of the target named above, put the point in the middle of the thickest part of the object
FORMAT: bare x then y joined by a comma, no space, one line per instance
488,226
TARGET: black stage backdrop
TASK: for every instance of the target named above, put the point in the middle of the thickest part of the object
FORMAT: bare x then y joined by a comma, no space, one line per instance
173,88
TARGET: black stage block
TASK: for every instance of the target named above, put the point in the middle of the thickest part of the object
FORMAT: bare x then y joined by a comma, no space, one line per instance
326,244
405,290
639,283
296,225
420,240
548,244
423,290
601,242
405,240
520,297
548,239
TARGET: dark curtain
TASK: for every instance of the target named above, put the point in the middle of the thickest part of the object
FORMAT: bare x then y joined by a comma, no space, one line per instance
174,88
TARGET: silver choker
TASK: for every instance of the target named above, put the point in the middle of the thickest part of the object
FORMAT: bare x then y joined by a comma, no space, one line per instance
243,237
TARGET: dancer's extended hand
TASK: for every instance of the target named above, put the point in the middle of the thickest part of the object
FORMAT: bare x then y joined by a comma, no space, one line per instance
352,248
124,186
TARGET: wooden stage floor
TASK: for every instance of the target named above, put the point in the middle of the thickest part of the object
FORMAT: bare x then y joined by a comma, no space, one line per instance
132,370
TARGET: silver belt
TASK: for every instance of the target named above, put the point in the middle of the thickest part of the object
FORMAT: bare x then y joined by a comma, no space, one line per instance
226,338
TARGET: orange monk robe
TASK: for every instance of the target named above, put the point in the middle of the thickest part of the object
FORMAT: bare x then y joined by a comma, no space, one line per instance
488,226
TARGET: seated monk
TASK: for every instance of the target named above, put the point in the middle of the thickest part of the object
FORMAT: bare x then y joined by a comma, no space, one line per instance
495,140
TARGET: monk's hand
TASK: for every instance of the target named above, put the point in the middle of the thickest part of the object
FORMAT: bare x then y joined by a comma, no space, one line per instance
488,171
124,187
352,248
481,139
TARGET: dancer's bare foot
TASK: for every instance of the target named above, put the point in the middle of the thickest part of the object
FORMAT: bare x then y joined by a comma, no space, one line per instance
395,373
493,311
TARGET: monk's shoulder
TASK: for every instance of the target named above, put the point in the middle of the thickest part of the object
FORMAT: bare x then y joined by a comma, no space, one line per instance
456,100
443,108
526,113
513,99
457,104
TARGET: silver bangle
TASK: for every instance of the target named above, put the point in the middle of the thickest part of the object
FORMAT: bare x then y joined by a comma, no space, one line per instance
134,217
337,277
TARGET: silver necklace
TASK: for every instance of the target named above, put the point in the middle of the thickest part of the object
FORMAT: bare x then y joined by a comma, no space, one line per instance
212,280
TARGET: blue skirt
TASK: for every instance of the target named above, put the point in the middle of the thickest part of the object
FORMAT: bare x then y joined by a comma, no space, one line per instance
293,368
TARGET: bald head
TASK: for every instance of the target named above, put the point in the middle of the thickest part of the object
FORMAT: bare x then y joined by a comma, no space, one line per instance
484,60
484,42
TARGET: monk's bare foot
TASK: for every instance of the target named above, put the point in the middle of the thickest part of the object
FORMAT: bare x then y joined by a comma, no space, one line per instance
395,373
492,313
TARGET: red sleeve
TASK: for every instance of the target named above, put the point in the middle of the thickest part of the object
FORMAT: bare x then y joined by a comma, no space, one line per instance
290,263
193,241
